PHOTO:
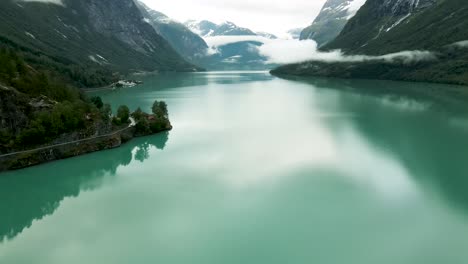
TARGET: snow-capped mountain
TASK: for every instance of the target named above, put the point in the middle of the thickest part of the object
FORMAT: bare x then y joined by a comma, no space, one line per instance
206,28
202,28
266,35
331,20
188,44
231,47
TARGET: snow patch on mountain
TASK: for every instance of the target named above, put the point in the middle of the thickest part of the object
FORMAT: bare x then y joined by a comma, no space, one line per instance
30,35
398,22
206,28
354,6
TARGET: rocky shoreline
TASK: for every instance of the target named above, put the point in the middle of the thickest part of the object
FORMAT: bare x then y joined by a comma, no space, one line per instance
68,150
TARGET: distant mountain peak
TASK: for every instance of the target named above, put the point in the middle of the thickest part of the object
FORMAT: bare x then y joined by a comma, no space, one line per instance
206,28
187,43
266,35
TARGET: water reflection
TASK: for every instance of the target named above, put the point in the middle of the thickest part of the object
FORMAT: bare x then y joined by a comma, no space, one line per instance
34,193
423,133
430,148
439,97
298,170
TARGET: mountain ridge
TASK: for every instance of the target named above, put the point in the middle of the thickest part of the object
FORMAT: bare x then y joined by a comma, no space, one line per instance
188,44
206,28
438,27
332,18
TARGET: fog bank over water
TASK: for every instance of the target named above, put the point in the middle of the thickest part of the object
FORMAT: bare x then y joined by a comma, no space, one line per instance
284,51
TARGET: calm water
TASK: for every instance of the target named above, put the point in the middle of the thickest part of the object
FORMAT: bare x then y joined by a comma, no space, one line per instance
257,170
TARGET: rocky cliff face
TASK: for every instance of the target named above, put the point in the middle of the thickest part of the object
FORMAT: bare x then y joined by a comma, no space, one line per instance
403,7
120,19
331,20
185,42
107,33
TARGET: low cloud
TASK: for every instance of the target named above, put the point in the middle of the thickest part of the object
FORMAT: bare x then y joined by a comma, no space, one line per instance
219,41
57,2
285,51
461,44
295,51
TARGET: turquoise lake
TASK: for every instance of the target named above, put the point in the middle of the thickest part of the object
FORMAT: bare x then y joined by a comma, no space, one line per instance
257,170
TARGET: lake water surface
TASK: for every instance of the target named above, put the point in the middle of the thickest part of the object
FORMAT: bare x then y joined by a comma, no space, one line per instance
257,170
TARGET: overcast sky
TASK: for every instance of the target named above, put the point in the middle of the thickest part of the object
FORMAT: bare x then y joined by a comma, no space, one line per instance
275,16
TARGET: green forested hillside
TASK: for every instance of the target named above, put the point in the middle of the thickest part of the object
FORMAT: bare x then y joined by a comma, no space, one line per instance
48,51
37,105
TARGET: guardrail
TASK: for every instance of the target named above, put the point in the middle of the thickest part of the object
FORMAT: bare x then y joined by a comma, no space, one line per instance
70,143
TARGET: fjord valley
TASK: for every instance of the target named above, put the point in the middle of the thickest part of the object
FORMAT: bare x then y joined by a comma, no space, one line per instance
145,131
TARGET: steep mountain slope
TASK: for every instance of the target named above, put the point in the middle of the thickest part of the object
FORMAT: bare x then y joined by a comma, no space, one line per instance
383,26
206,28
48,50
389,26
331,20
36,107
188,44
110,33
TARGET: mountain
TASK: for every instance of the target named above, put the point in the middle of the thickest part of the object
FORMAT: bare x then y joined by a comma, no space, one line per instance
188,44
202,28
206,28
389,26
331,20
93,33
236,55
266,35
295,33
230,47
49,49
383,26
